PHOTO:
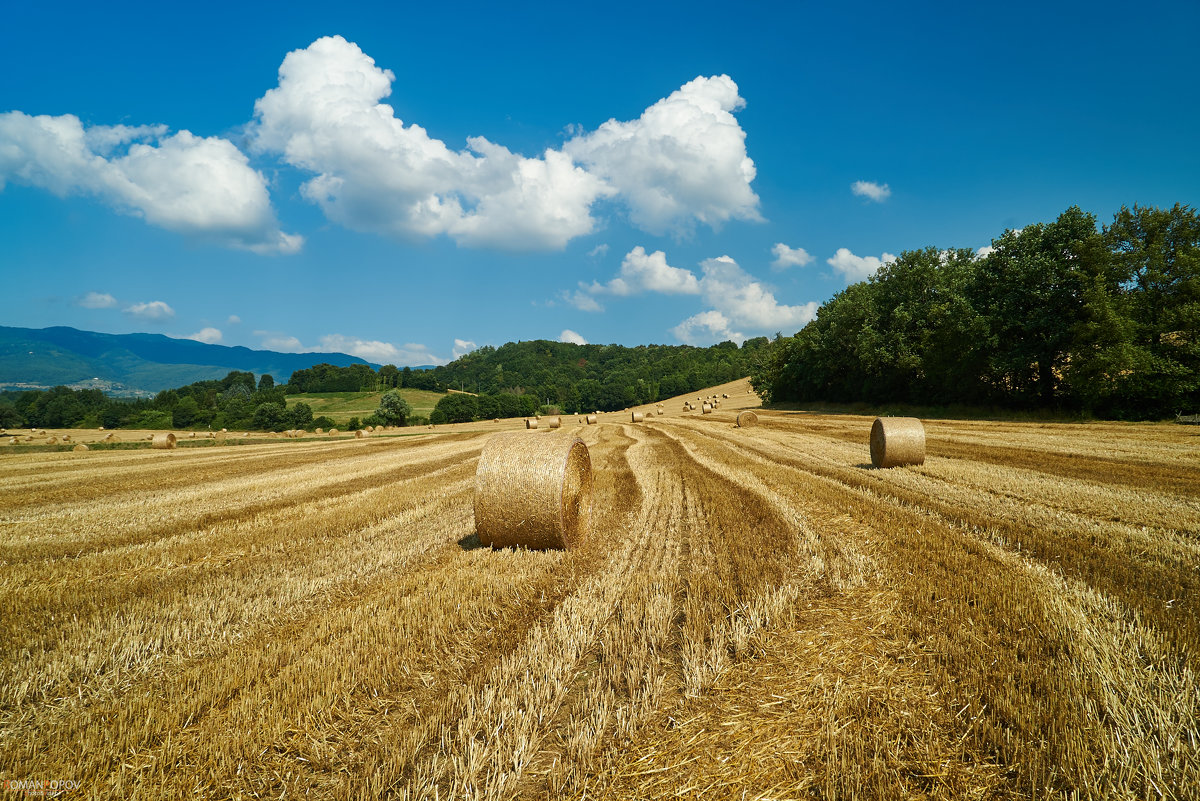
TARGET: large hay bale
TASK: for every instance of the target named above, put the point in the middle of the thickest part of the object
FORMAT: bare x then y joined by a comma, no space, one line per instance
706,408
638,417
359,434
555,422
746,419
531,423
897,441
534,492
163,441
80,448
592,419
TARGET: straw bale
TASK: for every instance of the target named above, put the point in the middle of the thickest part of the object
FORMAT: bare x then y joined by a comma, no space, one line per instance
746,419
52,441
163,441
359,434
224,430
110,437
638,417
592,419
724,394
332,431
320,430
706,408
370,429
897,441
531,423
534,492
659,410
555,422
80,448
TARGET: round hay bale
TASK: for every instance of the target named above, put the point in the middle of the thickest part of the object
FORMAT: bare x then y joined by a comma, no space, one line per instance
746,419
52,441
638,417
897,441
370,429
332,431
495,419
192,435
66,437
320,430
100,429
659,410
110,437
534,492
555,422
80,448
531,423
245,433
706,408
724,394
163,442
224,430
359,434
592,419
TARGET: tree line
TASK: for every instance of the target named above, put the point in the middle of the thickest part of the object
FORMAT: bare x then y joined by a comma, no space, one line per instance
1059,316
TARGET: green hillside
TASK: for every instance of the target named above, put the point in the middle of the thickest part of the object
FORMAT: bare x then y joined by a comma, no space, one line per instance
341,406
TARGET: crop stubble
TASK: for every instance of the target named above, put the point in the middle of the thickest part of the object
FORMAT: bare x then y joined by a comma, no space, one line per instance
756,611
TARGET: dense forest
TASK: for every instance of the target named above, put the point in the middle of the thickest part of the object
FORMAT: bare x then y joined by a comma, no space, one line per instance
514,380
1059,316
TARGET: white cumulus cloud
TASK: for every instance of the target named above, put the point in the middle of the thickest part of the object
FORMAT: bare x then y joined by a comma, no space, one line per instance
789,257
155,310
871,190
984,251
233,320
682,161
582,300
374,350
279,342
857,268
462,347
746,302
197,186
209,335
570,336
706,328
649,272
97,300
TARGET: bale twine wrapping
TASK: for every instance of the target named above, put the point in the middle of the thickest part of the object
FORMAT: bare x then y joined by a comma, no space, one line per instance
897,441
638,417
555,422
592,419
163,442
706,408
746,419
531,423
80,448
534,492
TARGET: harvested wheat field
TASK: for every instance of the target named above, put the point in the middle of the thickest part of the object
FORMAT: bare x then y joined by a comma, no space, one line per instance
757,613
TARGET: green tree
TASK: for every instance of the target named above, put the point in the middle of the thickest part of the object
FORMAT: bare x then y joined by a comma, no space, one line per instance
266,382
269,416
393,409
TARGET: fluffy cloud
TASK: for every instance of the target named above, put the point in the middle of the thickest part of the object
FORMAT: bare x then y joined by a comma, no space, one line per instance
642,272
789,257
233,320
155,310
857,268
209,335
462,347
706,328
97,300
198,186
582,300
377,351
745,302
373,173
683,161
570,336
871,190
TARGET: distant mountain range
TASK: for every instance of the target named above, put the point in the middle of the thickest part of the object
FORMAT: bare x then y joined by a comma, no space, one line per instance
135,364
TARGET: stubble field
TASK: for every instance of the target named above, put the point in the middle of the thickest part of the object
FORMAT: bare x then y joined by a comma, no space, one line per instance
757,614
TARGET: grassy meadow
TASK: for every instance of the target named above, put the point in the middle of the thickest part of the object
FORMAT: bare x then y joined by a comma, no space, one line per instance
758,613
341,406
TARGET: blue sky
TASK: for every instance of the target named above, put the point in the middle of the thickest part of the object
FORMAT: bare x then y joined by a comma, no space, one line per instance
405,183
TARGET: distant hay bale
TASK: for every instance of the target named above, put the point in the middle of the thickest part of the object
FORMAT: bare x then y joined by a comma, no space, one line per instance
638,417
192,435
80,448
534,492
110,437
897,441
163,442
320,430
746,419
706,408
66,437
52,441
659,410
592,419
531,423
245,433
555,422
359,434
370,429
687,407
224,430
101,429
332,431
724,394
